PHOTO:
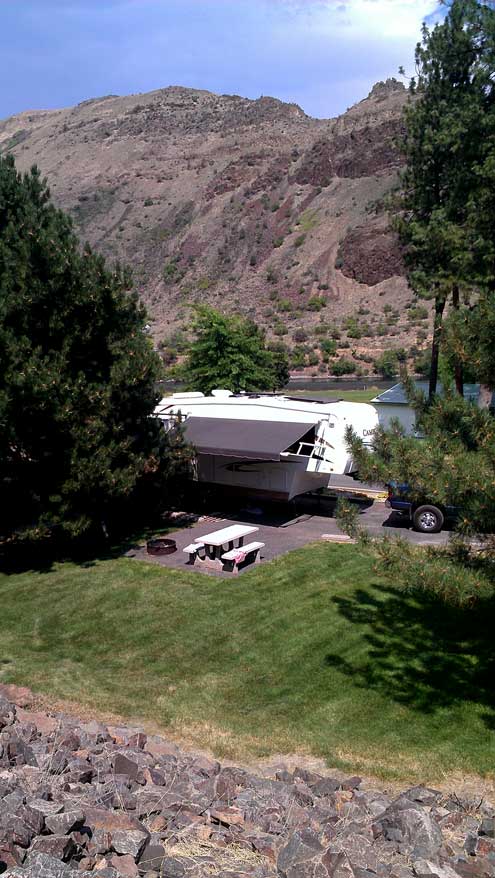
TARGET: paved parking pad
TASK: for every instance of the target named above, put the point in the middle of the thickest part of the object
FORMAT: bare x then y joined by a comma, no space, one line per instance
283,529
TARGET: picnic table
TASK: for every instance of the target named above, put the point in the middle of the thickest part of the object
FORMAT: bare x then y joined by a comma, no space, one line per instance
211,549
226,537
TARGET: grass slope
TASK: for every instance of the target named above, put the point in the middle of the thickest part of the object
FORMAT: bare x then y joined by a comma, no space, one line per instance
311,653
345,395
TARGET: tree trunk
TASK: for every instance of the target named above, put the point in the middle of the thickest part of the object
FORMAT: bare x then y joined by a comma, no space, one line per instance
458,376
435,345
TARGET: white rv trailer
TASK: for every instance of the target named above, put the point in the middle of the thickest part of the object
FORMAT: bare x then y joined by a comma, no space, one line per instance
266,445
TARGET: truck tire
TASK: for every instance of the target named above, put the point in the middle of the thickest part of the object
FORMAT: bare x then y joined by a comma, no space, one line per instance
428,519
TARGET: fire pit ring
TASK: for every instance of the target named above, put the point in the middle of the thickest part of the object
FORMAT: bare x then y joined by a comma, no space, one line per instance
161,546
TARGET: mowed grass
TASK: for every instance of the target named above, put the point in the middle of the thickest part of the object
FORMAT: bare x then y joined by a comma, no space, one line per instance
346,395
313,653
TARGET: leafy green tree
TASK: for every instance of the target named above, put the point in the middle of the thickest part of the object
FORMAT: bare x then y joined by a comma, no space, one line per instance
230,352
328,346
77,375
448,148
280,355
343,366
387,364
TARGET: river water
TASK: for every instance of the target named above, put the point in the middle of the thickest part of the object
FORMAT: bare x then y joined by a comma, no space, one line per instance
309,384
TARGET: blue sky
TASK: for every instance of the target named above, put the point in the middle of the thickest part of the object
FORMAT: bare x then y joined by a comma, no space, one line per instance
322,54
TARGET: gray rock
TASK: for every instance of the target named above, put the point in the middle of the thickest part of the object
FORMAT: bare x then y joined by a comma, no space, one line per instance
325,786
151,858
337,864
39,865
406,822
172,867
7,712
423,795
123,765
426,868
301,847
129,841
20,752
60,846
487,827
62,824
46,808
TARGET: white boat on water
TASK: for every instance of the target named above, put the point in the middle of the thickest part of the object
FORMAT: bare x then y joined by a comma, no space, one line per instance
268,445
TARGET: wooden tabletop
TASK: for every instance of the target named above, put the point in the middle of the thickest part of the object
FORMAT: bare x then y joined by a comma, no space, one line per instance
227,535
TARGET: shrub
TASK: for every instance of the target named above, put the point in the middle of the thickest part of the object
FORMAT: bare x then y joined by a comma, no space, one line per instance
419,312
148,202
284,305
278,242
316,303
299,241
297,358
387,364
353,328
343,366
300,335
170,271
329,347
339,262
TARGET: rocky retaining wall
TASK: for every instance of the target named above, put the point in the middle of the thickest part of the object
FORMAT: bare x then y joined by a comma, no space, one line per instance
84,799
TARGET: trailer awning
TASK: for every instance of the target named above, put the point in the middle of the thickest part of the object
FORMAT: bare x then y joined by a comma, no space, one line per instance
253,440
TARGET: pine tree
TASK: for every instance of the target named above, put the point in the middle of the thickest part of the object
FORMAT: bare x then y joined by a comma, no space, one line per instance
446,135
77,374
230,352
448,231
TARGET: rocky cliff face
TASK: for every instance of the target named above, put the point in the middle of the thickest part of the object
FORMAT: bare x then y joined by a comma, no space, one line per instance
250,205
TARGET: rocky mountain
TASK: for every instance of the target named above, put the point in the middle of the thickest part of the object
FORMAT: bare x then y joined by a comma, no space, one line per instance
252,206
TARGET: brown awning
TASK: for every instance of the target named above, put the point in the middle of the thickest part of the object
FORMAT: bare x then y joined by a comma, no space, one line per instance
253,440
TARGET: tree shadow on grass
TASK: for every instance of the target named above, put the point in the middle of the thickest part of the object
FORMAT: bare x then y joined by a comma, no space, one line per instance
421,652
41,556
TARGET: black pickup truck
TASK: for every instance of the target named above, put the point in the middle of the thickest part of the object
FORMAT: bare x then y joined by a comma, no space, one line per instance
425,516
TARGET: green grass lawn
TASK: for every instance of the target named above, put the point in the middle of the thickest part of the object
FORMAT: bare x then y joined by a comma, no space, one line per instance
311,653
347,395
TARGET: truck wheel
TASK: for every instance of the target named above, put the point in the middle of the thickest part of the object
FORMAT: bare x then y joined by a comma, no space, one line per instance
428,519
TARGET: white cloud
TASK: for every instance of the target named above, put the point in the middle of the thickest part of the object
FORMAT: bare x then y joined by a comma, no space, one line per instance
388,18
370,18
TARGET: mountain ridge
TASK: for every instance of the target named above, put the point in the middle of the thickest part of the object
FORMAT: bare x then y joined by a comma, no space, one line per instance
250,205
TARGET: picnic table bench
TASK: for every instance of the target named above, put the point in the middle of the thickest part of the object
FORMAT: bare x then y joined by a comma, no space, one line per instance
238,556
